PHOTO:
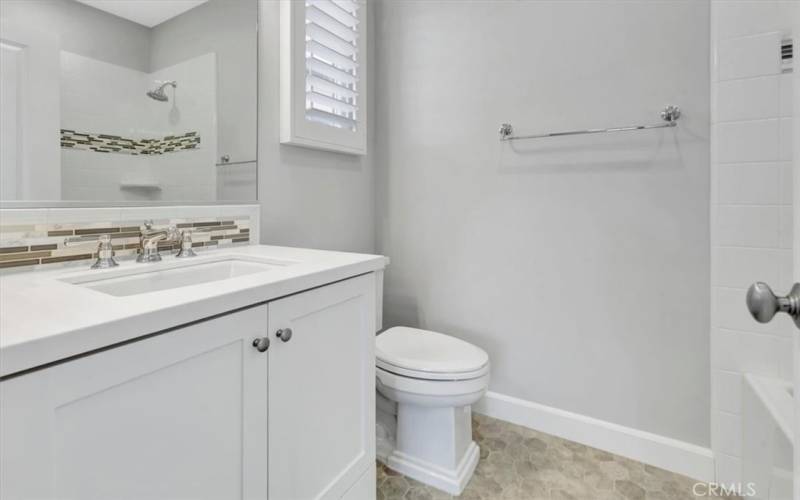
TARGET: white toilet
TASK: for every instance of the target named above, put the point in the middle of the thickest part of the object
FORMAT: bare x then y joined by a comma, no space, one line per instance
426,383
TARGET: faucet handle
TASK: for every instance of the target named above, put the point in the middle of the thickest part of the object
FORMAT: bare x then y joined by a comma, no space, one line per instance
86,238
186,246
105,253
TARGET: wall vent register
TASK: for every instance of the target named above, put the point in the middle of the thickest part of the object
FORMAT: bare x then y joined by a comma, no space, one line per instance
787,55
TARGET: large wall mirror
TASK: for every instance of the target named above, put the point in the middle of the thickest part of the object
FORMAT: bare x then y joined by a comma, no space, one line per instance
128,101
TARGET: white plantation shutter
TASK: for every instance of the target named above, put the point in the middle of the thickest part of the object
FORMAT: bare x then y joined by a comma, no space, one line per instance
332,63
323,78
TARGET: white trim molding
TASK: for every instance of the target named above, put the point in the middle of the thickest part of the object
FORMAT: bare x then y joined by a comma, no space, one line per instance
667,453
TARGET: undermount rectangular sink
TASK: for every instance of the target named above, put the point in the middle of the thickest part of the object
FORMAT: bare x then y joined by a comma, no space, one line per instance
153,280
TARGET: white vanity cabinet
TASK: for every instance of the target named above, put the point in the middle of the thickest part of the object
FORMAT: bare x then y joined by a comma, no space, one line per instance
199,412
322,391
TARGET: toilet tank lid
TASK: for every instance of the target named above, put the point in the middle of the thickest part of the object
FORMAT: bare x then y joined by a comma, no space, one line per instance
427,351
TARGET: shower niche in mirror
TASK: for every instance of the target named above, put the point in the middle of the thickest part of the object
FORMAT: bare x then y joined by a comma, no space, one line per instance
128,100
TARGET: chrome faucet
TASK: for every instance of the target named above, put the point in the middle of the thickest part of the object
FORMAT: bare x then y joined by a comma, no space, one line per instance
150,238
186,241
105,250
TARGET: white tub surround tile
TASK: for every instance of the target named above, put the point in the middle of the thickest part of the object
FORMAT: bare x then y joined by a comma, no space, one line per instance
758,353
749,99
745,352
786,358
732,314
749,56
726,391
749,226
176,166
727,433
728,468
739,267
750,184
785,141
786,184
742,18
786,227
786,269
751,208
748,141
725,350
785,95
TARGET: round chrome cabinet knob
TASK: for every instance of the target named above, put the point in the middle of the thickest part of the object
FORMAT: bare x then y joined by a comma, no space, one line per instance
262,344
284,334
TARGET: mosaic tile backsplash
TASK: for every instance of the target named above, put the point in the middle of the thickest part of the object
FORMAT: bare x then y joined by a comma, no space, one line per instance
27,242
104,143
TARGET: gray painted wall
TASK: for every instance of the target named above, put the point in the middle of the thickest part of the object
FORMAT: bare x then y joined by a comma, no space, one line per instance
580,264
84,30
308,198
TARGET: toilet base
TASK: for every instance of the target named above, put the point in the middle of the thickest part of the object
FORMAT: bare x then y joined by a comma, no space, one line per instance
430,444
452,481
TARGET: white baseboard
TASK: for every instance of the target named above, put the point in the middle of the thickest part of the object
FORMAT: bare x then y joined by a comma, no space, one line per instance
671,454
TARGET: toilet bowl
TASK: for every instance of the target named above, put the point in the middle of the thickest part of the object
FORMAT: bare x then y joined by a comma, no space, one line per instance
426,382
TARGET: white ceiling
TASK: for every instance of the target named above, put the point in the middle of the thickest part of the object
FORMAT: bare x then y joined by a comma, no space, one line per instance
145,12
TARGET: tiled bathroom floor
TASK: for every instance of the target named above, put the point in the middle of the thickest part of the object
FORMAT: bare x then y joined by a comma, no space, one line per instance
521,464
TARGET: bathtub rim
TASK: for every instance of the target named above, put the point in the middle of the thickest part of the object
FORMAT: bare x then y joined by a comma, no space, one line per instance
776,397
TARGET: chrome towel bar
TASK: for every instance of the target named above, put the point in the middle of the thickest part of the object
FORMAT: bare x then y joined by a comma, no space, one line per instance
670,115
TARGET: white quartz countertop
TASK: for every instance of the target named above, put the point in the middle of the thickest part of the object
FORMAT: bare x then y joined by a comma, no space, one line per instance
44,319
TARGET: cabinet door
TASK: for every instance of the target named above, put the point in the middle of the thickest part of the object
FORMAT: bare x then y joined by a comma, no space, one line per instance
322,390
181,415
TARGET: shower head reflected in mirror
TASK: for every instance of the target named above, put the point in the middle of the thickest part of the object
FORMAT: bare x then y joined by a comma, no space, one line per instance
158,93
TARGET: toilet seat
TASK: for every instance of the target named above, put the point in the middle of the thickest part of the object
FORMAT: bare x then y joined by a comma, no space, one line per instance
421,375
403,389
427,355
